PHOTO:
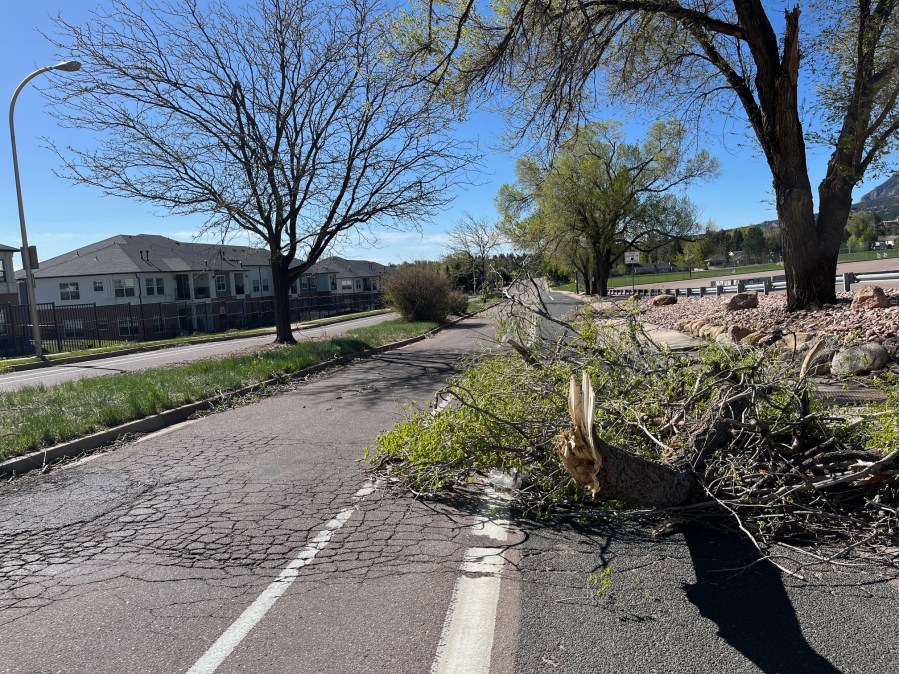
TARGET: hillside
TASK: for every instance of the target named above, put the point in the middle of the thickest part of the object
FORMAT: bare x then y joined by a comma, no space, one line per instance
883,199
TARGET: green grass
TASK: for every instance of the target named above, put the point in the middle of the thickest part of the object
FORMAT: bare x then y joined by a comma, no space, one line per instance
187,339
667,277
38,416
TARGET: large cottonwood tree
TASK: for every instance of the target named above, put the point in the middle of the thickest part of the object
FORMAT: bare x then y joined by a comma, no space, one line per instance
296,121
610,194
551,59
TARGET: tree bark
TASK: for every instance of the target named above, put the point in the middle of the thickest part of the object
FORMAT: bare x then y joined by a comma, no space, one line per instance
281,279
603,261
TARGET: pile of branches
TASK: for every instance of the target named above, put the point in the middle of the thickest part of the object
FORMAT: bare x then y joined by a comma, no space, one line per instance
590,406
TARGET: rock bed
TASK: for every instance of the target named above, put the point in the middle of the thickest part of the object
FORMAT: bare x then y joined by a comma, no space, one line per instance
839,325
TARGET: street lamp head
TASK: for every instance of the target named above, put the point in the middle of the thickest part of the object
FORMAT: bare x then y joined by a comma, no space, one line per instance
68,66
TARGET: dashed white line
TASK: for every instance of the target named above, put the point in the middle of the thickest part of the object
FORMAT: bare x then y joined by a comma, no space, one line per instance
466,642
237,632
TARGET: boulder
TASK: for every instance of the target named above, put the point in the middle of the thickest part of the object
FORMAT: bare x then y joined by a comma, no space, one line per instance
663,300
738,332
753,338
870,297
795,341
860,359
742,301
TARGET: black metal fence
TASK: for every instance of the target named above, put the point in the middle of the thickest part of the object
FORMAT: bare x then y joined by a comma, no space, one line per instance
77,327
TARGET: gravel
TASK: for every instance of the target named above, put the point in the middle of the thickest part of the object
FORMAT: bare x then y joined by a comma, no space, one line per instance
838,323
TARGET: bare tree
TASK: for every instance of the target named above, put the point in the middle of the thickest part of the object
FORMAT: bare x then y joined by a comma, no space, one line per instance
551,59
294,121
475,240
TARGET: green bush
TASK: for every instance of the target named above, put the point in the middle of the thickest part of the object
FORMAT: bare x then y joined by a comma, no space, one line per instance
457,303
419,292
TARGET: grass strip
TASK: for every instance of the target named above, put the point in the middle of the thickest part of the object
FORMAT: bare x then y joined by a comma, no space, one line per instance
40,416
187,339
667,277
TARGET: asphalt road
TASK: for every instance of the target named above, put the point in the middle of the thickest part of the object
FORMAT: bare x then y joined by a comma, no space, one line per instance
251,541
179,354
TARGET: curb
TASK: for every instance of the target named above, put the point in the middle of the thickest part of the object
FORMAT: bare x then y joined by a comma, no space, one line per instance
24,367
73,448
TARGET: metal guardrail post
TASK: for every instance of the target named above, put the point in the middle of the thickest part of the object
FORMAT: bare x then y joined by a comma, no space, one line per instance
848,280
719,290
741,287
702,291
766,286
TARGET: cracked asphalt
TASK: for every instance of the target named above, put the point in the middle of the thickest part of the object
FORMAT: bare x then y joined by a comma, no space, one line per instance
138,559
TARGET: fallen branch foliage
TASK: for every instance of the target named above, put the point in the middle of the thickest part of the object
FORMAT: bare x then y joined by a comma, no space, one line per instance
724,432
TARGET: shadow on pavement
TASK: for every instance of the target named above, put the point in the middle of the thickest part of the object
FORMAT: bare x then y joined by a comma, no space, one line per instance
753,612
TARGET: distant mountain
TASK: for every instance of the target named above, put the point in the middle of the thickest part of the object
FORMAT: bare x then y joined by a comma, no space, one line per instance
883,199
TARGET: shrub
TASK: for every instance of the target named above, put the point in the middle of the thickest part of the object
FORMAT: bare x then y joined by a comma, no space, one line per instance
419,292
457,302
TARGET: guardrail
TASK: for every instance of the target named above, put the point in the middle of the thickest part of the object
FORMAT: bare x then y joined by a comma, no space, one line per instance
764,286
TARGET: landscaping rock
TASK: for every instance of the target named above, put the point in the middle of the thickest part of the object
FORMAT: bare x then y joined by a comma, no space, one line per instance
753,338
861,359
870,297
742,301
737,333
663,300
796,341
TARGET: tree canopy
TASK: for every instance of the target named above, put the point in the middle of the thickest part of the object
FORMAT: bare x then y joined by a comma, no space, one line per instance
554,60
605,195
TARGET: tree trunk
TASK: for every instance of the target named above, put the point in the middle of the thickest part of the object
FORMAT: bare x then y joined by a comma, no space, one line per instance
603,262
281,285
612,473
810,261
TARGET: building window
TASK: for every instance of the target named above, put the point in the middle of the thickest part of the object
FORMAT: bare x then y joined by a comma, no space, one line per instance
73,328
238,284
124,287
346,284
182,287
127,327
102,324
159,324
2,271
98,286
293,287
154,286
255,285
333,278
69,291
265,285
4,326
358,284
221,284
304,283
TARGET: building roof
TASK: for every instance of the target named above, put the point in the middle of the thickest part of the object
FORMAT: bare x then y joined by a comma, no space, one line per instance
344,268
8,249
146,253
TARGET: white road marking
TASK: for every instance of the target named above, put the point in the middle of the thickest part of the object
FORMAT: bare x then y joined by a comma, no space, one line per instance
237,632
466,641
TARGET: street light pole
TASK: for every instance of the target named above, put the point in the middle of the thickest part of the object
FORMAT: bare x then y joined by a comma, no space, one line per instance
67,66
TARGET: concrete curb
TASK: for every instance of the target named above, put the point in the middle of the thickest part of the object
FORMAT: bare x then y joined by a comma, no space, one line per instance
73,448
24,367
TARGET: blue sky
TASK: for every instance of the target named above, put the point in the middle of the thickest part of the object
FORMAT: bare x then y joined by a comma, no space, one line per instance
61,216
